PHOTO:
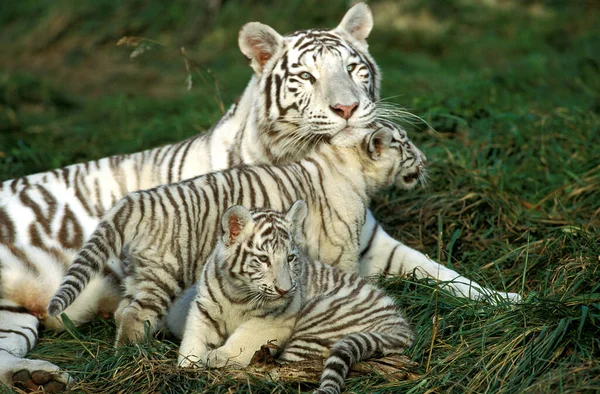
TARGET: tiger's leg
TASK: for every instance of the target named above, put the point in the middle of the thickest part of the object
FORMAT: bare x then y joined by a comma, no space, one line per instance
150,289
202,331
380,253
239,348
18,335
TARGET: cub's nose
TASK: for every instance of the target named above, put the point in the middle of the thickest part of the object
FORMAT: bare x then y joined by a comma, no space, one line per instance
345,111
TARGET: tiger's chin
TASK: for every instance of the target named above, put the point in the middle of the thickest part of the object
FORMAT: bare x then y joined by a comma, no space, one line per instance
349,136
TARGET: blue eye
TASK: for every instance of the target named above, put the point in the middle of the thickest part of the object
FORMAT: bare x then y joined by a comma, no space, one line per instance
306,75
351,67
264,259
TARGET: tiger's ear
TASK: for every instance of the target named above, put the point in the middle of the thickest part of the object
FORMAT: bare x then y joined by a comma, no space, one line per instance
259,43
296,215
235,222
358,22
378,141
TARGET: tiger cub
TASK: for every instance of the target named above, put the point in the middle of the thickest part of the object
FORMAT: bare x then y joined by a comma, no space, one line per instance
257,287
160,238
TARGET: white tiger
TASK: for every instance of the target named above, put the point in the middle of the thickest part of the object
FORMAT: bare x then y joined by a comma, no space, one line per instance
161,237
300,96
258,287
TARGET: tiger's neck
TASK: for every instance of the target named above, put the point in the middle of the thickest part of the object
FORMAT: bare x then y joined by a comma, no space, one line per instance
239,133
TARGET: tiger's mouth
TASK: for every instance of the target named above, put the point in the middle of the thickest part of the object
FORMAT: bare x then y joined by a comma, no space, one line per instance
411,177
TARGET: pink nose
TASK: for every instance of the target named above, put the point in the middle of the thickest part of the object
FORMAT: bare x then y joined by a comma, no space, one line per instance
281,291
345,111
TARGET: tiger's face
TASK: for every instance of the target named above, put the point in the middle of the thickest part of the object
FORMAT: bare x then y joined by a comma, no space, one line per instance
313,84
264,260
393,160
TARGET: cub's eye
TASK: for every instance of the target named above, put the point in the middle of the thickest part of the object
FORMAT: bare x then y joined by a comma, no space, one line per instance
306,75
264,259
291,258
351,67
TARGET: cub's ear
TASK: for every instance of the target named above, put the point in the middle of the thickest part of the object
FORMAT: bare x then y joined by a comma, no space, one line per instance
259,43
236,221
378,141
358,22
295,216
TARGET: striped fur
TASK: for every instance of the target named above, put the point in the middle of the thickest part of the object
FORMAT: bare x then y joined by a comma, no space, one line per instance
44,218
260,288
163,236
281,117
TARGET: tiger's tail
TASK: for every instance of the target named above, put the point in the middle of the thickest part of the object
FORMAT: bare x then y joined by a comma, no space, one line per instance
105,244
356,347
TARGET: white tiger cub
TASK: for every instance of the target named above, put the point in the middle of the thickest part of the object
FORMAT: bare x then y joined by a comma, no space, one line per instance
163,236
258,287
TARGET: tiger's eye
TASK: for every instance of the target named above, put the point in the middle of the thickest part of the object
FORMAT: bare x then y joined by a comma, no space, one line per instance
306,75
350,67
264,259
291,258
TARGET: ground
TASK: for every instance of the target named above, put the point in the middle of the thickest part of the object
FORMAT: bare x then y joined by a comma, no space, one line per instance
507,95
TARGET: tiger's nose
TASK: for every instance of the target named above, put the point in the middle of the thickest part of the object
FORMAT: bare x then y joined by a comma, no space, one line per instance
281,291
345,111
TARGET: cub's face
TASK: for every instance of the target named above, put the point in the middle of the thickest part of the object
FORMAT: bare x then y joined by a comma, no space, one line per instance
271,266
313,84
263,258
394,159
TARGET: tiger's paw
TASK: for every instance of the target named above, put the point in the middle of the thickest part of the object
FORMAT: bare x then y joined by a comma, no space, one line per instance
190,361
33,375
220,358
39,380
502,298
513,298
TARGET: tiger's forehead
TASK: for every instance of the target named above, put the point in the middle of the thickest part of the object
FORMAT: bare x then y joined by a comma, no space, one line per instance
271,229
313,46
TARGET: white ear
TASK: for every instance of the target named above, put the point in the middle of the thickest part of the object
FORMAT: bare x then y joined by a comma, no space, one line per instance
259,43
358,22
234,222
378,141
296,215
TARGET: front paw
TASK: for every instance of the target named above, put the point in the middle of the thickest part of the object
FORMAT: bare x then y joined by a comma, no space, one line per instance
219,359
502,298
513,298
32,375
189,361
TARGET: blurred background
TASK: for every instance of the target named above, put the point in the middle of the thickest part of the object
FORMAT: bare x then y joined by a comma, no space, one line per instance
508,96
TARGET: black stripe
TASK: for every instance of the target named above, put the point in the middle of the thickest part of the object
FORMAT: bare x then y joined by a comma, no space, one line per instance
14,309
389,261
29,345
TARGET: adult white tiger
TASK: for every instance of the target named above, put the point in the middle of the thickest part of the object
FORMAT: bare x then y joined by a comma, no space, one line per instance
307,87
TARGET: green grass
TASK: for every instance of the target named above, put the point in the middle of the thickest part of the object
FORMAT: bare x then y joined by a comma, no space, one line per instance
511,88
